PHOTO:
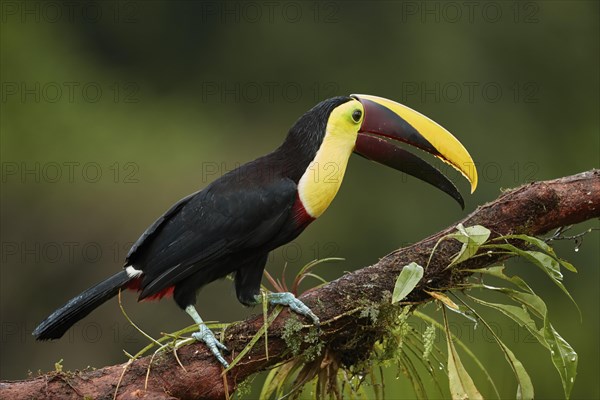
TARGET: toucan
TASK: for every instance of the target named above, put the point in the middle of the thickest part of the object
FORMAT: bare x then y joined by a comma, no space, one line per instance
230,226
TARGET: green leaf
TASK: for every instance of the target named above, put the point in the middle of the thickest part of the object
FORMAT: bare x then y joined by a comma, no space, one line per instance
567,265
277,379
462,345
517,314
551,266
546,263
563,356
531,300
539,243
270,384
498,272
461,383
525,386
410,275
472,238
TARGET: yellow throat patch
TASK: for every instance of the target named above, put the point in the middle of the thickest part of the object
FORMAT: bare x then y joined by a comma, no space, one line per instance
323,177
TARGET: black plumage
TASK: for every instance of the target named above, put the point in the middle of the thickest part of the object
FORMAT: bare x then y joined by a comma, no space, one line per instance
229,227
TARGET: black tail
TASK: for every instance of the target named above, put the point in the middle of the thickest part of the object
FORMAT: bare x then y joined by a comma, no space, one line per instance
78,307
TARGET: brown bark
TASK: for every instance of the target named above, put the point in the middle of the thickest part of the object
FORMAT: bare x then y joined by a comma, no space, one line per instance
532,209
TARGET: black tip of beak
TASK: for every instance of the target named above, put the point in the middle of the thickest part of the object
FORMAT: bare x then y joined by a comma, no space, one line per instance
381,151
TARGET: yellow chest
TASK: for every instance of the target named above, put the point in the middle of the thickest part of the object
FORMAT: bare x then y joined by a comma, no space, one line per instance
323,178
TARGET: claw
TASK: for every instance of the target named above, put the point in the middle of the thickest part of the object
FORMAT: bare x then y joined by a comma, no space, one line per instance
222,346
288,299
205,335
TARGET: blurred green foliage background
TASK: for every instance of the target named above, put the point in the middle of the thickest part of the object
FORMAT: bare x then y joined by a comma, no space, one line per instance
112,111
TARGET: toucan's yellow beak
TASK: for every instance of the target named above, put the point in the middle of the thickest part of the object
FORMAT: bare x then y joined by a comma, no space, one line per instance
383,117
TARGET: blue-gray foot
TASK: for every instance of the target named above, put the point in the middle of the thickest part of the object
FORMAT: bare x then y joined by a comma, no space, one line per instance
288,299
205,335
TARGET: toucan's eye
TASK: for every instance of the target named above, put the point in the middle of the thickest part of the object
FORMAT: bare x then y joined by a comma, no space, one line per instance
356,115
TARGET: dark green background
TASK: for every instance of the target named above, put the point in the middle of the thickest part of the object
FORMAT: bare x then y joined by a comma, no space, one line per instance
113,111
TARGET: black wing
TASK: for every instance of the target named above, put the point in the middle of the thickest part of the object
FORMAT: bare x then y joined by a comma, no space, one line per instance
156,226
228,217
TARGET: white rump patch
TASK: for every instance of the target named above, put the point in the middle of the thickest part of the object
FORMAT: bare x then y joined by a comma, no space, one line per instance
132,272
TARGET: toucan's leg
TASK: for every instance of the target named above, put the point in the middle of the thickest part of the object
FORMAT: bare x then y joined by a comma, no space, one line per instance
205,335
247,288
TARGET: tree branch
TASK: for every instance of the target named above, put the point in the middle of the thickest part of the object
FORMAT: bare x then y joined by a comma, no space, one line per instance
532,209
